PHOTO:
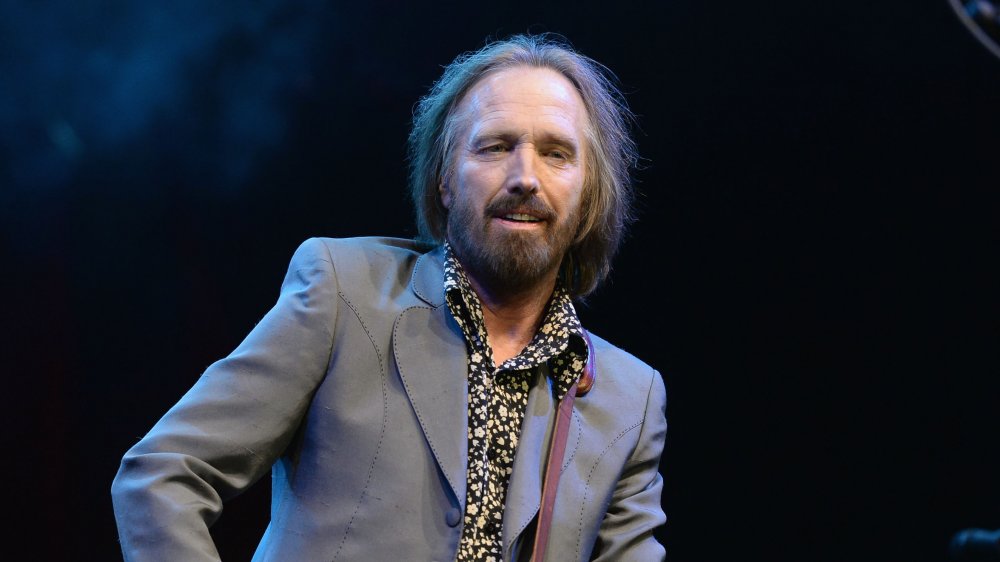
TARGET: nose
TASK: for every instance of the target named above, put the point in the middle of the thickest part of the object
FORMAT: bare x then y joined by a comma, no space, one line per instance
522,175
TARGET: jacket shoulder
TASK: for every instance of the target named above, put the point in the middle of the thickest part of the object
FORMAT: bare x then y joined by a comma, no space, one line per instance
629,375
362,253
340,249
366,266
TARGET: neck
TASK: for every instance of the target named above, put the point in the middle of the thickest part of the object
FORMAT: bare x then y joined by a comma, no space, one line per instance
512,318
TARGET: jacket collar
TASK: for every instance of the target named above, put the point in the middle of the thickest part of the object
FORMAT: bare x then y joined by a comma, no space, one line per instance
427,280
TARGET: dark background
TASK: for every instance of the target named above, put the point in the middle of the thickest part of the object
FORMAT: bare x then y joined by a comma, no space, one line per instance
814,269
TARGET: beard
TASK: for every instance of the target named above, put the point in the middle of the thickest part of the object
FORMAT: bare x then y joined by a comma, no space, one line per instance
507,260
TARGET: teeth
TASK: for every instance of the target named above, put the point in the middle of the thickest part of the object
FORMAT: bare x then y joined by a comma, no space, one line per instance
520,217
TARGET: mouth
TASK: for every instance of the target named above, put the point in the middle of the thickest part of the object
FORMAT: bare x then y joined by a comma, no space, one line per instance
519,217
520,213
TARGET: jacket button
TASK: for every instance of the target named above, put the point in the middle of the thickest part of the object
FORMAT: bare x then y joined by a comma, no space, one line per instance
453,517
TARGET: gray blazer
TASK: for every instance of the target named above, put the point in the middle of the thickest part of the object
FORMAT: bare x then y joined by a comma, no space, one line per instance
352,389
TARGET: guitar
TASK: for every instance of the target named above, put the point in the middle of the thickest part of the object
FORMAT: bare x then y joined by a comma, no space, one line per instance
982,18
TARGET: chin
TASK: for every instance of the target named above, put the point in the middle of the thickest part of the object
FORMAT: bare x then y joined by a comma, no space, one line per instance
511,260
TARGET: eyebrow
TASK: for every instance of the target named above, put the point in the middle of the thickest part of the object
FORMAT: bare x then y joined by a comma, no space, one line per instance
510,137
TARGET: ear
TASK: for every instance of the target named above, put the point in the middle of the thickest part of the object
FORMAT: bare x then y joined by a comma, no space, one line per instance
445,193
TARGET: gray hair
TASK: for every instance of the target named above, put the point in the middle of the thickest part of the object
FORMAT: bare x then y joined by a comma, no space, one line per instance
606,201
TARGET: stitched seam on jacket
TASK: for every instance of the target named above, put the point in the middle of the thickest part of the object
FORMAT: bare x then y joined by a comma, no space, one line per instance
420,415
416,289
385,415
331,331
579,434
583,504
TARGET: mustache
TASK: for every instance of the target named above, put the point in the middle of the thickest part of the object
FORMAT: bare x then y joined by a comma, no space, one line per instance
513,203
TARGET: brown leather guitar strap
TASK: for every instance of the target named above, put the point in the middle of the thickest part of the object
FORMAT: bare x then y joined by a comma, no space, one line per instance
557,450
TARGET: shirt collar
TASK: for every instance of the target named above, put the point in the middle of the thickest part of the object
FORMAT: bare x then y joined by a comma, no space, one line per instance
559,340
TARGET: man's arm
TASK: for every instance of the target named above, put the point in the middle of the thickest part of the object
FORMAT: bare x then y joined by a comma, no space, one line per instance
626,533
226,432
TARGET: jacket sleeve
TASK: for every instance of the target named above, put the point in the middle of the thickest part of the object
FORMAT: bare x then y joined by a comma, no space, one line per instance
225,433
626,533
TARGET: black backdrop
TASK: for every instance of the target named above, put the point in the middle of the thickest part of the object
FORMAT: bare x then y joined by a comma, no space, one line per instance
813,270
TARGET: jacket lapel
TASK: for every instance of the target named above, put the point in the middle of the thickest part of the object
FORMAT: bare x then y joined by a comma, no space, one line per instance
432,361
524,492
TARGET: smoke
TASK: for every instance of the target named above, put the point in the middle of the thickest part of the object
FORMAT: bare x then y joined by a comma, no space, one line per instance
208,83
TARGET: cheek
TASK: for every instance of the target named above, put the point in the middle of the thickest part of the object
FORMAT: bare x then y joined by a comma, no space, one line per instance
571,190
475,180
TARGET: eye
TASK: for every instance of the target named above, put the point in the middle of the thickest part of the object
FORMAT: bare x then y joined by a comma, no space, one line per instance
558,154
493,149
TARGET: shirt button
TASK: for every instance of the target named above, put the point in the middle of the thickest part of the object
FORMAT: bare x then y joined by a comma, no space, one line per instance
453,517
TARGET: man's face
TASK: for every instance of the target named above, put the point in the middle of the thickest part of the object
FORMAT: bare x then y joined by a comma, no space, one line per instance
517,174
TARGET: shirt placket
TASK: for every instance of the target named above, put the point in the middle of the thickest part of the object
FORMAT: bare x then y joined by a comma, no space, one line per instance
499,394
480,494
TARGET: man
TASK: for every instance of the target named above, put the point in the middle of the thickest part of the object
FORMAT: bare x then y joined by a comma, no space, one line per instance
406,393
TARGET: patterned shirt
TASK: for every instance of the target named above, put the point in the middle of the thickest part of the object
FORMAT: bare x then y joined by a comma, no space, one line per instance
498,399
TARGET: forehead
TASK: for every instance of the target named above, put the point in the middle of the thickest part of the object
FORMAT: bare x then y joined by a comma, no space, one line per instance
525,98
